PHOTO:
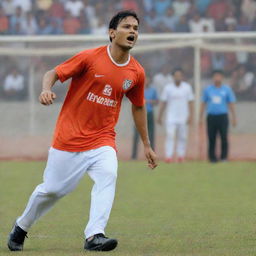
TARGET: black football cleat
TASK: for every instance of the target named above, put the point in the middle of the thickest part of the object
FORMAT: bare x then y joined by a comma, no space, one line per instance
100,243
16,238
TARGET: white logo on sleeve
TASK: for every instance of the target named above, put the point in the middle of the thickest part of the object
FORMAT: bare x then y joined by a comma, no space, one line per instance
127,84
107,90
96,75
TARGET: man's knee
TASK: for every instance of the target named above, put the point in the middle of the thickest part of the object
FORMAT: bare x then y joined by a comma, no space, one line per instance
111,173
183,138
109,176
171,135
54,190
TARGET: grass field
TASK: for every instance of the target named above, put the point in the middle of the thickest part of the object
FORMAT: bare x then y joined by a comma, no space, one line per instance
190,209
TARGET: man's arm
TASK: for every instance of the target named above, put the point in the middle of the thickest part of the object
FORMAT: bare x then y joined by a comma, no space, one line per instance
233,114
140,120
47,96
202,109
161,111
190,115
153,102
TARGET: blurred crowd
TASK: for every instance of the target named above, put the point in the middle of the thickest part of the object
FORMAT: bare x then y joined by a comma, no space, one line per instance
55,17
44,17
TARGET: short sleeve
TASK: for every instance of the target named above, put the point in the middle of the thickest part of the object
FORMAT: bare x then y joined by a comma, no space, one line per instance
205,96
136,94
231,96
248,79
72,67
6,83
190,93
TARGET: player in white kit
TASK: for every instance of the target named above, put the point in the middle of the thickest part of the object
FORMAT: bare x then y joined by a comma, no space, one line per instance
84,138
177,98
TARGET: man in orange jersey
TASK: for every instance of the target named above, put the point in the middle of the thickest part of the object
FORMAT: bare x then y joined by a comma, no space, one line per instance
84,138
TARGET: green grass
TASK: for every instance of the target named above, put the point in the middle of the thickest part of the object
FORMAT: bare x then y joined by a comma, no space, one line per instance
191,209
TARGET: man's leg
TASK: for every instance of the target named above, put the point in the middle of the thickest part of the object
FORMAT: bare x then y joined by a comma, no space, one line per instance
170,137
103,172
182,130
212,133
61,176
223,130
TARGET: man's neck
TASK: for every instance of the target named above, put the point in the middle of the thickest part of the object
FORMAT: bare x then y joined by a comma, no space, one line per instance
178,83
118,54
218,85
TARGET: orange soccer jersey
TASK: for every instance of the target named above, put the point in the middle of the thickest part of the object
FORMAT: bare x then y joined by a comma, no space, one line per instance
92,105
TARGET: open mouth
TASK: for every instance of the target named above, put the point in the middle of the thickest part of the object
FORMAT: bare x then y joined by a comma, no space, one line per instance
131,38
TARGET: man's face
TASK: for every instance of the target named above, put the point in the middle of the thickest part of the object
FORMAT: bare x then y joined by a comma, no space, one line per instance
217,78
126,33
14,72
241,71
178,76
18,11
170,12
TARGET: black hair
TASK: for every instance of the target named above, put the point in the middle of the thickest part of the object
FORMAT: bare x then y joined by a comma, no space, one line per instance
119,17
177,70
217,71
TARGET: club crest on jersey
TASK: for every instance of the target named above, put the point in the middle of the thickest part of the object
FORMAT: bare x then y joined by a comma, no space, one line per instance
107,90
127,84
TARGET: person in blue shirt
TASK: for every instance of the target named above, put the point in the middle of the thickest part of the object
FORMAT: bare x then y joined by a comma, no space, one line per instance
218,100
151,98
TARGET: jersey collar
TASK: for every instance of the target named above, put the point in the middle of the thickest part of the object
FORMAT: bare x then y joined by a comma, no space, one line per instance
117,64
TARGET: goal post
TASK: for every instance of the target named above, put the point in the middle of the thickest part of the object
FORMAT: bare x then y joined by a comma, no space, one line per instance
35,54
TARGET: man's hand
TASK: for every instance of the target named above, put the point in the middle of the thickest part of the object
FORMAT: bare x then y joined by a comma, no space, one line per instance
190,120
151,157
233,122
201,121
159,120
161,111
47,97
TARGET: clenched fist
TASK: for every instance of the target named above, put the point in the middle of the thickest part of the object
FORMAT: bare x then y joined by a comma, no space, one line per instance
47,97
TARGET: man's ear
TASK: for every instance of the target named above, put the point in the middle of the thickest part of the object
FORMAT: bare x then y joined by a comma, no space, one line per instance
112,33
